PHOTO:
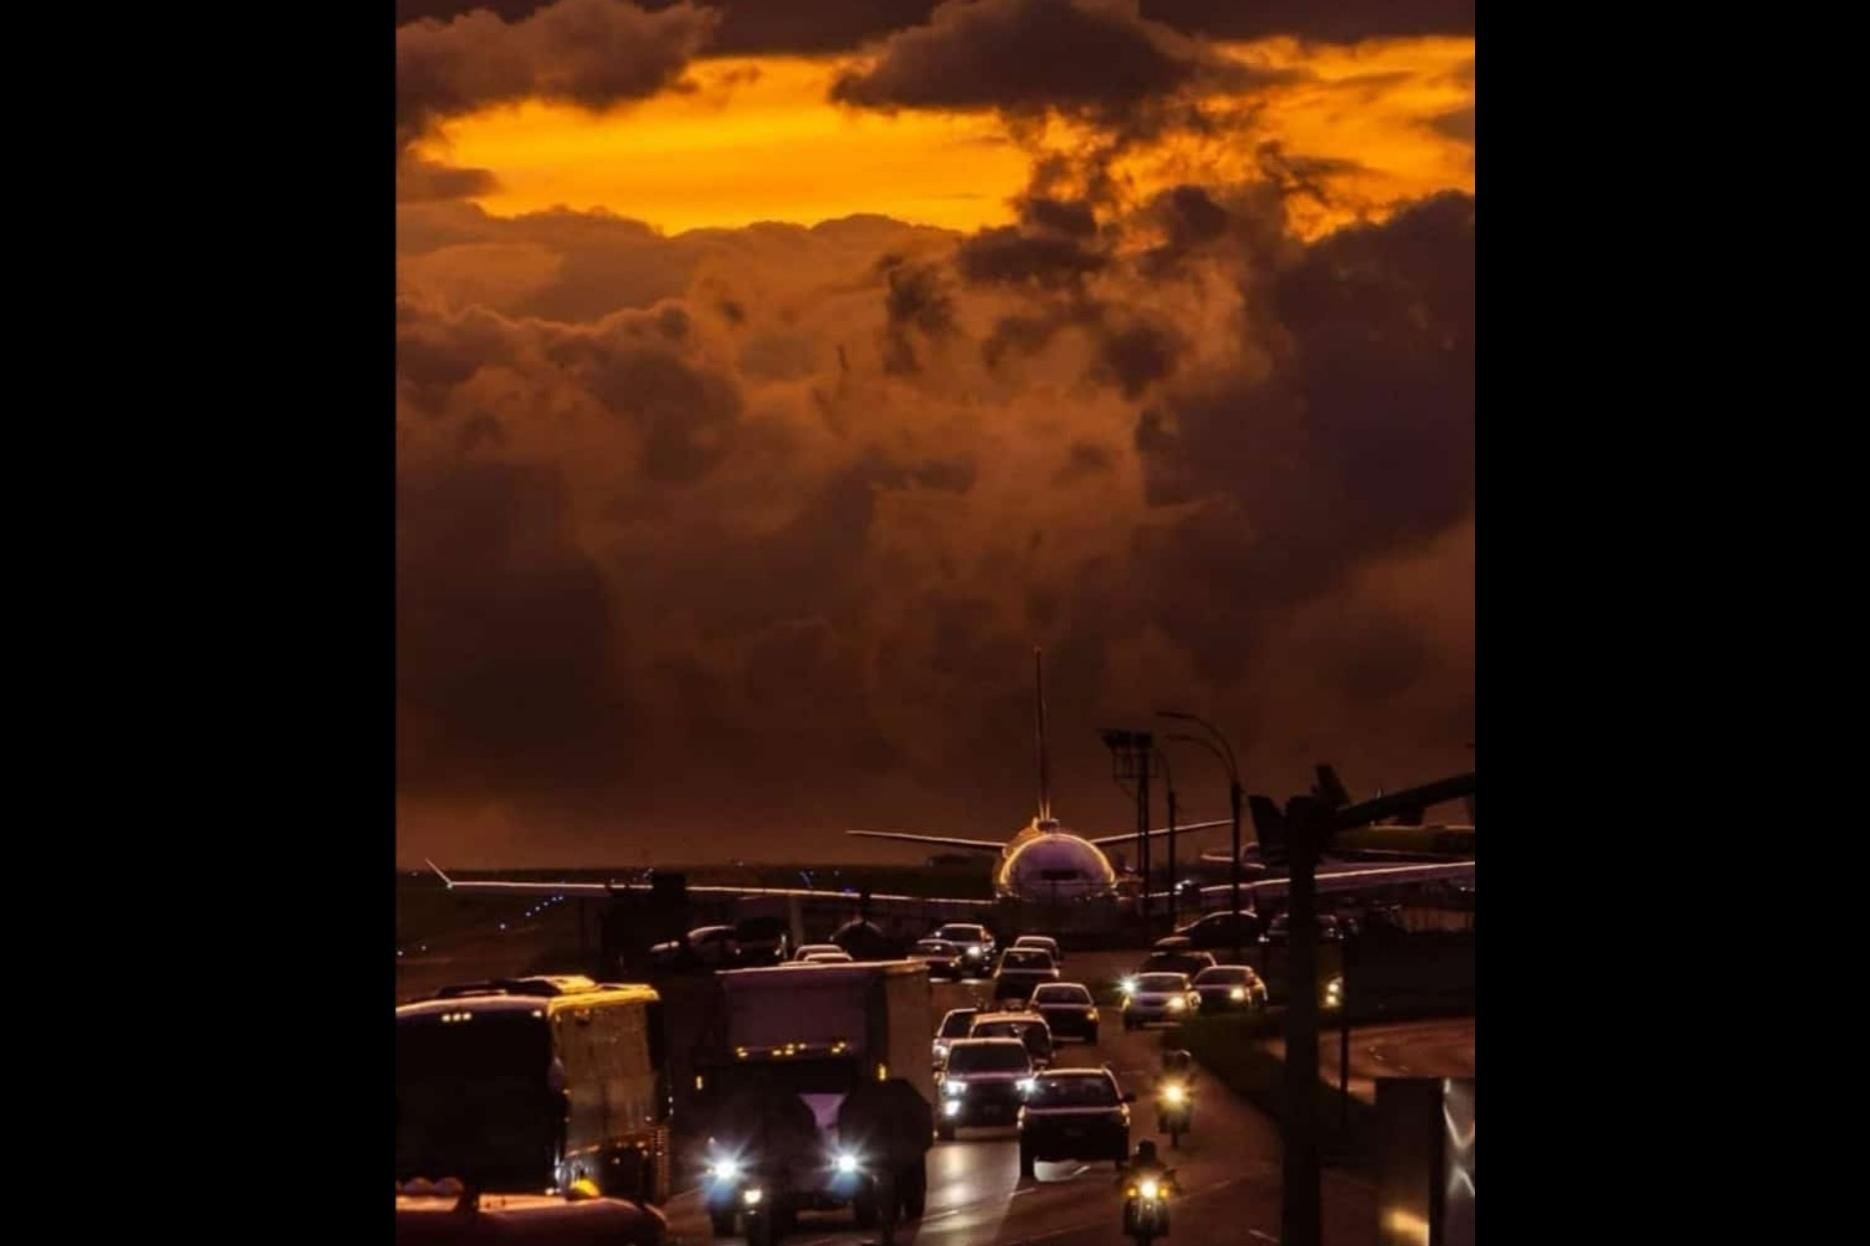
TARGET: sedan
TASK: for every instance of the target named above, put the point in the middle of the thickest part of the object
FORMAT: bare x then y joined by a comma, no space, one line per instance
1045,943
1029,1028
1223,930
1157,997
1068,1009
942,958
1021,970
1226,988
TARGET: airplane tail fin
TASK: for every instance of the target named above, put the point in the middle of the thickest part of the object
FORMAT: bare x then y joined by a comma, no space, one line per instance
1329,788
1269,827
1045,778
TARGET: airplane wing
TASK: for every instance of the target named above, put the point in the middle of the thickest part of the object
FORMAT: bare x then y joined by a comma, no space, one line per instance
516,887
1117,841
947,841
1359,878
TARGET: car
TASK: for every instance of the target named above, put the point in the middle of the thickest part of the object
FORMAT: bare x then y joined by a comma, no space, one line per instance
953,1026
1045,943
1190,963
1074,1114
835,957
1068,1009
862,940
1157,997
763,940
982,1084
1223,930
709,947
1022,969
1278,930
942,957
976,944
1028,1027
1171,943
1229,988
806,949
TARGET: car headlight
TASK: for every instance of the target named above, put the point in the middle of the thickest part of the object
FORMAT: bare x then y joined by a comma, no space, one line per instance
724,1169
1177,1003
1127,986
751,1197
950,1086
1150,1189
1237,994
941,1050
845,1162
973,951
951,1107
1026,1085
1174,1092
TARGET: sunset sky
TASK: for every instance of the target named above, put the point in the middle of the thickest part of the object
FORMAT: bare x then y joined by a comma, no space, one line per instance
773,376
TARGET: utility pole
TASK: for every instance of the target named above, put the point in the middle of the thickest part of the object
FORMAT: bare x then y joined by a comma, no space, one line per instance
1300,1222
1131,754
1168,782
1224,752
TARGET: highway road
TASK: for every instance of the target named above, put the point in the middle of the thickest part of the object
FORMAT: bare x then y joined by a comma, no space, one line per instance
1228,1168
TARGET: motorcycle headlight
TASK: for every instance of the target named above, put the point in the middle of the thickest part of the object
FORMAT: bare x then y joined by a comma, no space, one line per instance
1173,1093
751,1197
845,1162
724,1169
1150,1189
951,1107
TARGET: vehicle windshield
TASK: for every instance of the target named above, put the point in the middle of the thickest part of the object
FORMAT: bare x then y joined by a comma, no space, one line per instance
473,1099
1225,975
935,947
1042,944
1029,1032
1062,993
1083,1091
955,1024
1020,958
989,1058
960,934
1162,982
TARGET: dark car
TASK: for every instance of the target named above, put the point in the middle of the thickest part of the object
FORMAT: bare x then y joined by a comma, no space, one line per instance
705,947
1223,930
763,940
1074,1114
1028,1027
862,940
942,957
1229,988
1021,970
1171,943
982,1084
1068,1009
1278,931
1190,963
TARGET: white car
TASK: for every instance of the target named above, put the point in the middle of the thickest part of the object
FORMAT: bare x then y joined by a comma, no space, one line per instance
807,949
1157,997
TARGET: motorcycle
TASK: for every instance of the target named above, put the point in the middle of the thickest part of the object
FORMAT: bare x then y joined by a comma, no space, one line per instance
1146,1207
1175,1109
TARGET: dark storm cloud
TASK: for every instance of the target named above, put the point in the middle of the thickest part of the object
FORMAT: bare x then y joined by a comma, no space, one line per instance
1010,255
594,53
421,181
916,304
1457,124
835,25
1095,58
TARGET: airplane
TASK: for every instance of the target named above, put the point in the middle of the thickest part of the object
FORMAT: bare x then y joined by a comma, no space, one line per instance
1358,863
1043,863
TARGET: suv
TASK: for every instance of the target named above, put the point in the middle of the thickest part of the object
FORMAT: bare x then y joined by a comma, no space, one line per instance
1067,1008
982,1084
763,940
1028,1027
1022,969
942,958
1074,1114
975,942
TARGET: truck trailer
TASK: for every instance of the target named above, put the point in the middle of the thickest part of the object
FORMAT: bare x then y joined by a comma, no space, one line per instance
818,1095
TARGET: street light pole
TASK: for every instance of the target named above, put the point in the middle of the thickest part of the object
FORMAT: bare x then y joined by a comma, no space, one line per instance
1168,782
1225,752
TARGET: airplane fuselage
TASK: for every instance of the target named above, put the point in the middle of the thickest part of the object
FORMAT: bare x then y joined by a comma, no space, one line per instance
1046,864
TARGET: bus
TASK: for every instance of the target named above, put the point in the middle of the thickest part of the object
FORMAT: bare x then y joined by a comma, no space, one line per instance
529,1085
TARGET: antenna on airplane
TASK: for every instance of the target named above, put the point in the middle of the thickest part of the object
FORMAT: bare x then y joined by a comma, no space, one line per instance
1045,779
